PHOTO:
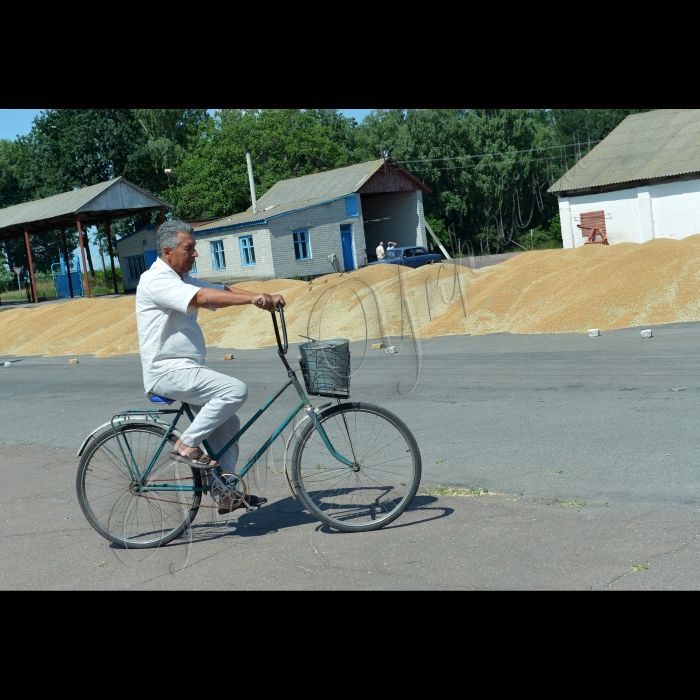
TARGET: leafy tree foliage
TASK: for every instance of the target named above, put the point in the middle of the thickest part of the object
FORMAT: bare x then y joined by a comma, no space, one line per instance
574,125
213,178
46,247
482,183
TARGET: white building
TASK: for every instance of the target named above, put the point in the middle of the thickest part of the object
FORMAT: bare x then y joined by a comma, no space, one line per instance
645,176
299,223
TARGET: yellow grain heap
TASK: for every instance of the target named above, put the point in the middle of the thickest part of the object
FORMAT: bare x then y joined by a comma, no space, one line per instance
549,291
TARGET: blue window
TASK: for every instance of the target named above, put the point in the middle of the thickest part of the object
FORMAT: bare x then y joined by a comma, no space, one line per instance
218,258
247,251
302,251
136,265
351,206
194,266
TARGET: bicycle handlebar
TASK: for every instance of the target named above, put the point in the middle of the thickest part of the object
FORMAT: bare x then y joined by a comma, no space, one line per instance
281,349
280,309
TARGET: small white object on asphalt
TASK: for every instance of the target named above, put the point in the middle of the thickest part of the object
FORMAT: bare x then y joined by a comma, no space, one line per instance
647,333
593,332
73,362
8,364
391,349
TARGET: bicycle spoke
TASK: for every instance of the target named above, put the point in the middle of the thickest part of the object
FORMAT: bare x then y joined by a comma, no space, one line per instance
130,518
386,476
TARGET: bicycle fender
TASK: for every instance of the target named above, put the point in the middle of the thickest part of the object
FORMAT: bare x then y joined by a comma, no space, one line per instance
135,418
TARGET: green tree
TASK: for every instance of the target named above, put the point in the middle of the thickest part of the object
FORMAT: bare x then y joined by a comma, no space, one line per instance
11,156
476,196
582,125
46,247
73,148
167,133
213,178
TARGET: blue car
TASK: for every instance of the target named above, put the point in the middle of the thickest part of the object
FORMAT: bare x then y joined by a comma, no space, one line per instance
415,256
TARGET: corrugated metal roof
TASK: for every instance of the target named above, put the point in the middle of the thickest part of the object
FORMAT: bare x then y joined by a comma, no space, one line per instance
329,185
250,218
298,193
662,143
117,197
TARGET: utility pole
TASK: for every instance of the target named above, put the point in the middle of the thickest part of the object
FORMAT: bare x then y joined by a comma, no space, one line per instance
250,178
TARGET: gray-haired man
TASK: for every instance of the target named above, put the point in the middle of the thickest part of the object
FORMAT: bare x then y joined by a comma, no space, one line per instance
173,352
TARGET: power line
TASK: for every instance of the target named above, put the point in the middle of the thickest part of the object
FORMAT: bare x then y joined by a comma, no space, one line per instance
471,165
501,153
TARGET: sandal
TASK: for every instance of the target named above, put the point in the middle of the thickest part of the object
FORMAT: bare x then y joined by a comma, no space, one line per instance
254,501
196,459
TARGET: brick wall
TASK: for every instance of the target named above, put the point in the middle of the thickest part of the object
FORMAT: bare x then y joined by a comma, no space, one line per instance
235,270
396,216
323,225
274,246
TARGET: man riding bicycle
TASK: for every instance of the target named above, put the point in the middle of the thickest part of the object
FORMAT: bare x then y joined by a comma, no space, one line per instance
173,351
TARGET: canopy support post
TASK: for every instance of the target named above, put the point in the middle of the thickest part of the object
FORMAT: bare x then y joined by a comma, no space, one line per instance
31,265
111,255
82,254
67,259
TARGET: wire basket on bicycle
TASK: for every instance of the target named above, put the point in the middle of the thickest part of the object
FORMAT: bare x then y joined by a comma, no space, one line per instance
325,365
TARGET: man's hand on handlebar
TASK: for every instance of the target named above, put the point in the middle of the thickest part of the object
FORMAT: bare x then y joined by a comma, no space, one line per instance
268,302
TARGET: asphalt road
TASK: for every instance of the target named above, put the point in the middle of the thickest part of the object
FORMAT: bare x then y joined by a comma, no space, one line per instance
542,420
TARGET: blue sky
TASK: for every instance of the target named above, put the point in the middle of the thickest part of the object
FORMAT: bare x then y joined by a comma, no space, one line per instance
18,122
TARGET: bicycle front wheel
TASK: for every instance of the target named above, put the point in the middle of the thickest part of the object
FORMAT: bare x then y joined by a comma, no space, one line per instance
111,500
383,481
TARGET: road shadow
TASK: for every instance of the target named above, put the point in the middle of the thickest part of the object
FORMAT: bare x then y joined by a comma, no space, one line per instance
289,513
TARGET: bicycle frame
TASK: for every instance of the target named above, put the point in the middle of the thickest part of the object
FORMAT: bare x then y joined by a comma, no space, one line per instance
303,404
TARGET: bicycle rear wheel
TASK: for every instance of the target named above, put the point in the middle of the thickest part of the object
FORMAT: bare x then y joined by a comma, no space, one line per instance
384,480
104,486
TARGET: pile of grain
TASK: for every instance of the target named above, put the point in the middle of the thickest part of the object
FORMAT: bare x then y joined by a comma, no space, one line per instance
550,291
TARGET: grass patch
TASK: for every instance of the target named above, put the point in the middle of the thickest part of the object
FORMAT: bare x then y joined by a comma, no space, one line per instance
45,289
574,504
449,491
640,567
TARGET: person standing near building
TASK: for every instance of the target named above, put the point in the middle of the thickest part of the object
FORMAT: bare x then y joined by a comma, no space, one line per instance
380,251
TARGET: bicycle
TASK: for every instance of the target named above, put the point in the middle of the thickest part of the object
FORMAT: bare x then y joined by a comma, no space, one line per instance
135,496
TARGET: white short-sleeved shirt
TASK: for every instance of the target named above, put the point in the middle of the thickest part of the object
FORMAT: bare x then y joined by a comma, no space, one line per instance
380,253
169,336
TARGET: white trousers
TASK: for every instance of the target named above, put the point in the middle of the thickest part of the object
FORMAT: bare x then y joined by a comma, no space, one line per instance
214,398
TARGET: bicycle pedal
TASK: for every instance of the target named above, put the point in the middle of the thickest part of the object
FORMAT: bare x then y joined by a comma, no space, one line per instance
249,508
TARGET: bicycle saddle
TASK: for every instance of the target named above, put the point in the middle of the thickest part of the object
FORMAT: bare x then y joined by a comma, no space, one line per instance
160,399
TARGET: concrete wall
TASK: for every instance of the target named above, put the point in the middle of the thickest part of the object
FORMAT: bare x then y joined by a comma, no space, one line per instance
637,215
676,208
396,216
